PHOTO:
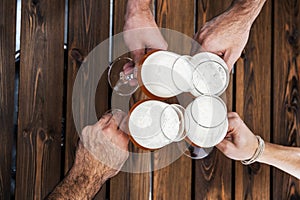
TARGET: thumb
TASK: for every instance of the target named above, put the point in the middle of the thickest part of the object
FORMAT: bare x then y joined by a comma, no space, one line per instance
230,58
225,145
195,47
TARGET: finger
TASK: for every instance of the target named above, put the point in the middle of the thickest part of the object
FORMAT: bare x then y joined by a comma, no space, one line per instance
225,145
232,114
137,55
234,123
128,68
133,82
159,44
104,119
124,140
157,41
195,48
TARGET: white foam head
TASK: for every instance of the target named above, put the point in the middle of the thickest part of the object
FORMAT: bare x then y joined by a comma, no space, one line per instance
206,121
156,74
153,125
211,75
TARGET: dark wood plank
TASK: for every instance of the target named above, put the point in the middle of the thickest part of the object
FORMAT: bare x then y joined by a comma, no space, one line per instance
88,27
286,90
213,174
253,100
133,186
7,75
177,16
174,181
120,182
40,94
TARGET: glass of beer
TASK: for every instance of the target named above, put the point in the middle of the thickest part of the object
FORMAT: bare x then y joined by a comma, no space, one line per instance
164,74
154,124
206,121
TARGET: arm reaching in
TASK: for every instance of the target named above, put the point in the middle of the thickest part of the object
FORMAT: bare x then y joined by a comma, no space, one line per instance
227,34
240,144
102,151
140,29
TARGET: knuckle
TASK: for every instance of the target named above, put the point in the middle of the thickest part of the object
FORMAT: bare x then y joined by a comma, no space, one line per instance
236,120
86,129
225,149
108,130
235,114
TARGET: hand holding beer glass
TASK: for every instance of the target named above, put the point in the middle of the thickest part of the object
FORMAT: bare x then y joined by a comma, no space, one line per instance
161,74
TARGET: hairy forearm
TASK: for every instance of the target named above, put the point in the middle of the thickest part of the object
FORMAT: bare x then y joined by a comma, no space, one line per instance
84,179
137,6
79,184
282,157
247,10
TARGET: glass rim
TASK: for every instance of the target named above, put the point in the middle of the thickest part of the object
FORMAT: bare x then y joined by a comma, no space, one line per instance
215,97
182,133
110,67
136,105
225,68
172,72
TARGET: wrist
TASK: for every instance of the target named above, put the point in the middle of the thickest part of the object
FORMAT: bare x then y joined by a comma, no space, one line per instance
247,10
89,173
137,6
86,163
84,179
258,152
267,154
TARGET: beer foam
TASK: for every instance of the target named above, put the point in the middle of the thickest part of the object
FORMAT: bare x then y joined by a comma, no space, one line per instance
153,125
156,74
211,74
206,121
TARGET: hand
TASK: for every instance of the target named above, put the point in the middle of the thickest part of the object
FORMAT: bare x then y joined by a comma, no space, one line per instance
106,143
240,143
141,31
101,153
225,35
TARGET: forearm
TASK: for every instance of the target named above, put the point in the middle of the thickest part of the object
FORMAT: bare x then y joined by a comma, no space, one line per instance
282,157
137,6
247,10
84,179
78,184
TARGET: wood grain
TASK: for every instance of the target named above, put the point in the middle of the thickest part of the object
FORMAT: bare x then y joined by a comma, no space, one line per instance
7,76
179,17
88,27
286,90
213,174
40,94
133,186
174,181
253,103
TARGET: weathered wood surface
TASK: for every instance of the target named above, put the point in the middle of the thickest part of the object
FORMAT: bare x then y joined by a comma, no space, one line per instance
40,98
264,90
286,90
7,76
174,181
213,175
88,27
133,186
253,103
